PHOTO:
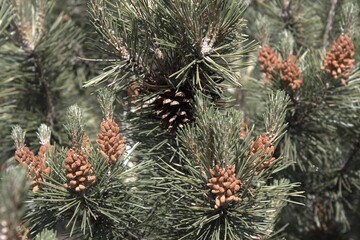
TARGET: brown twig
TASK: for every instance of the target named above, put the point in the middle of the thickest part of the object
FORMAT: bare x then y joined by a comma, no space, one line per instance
329,23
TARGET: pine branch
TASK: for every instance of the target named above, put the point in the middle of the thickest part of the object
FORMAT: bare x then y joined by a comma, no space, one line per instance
352,157
329,23
41,75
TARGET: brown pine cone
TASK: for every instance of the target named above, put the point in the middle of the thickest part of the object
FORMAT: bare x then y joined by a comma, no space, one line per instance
269,62
174,108
24,156
224,185
290,74
339,61
78,170
35,166
110,141
262,146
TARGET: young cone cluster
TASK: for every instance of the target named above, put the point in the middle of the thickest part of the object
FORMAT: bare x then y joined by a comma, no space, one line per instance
110,141
224,185
340,59
174,108
263,147
290,74
78,170
269,61
35,165
24,156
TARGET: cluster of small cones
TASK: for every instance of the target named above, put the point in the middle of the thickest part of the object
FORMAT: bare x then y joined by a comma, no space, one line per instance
110,141
263,148
78,170
290,74
269,62
173,106
36,165
224,185
339,60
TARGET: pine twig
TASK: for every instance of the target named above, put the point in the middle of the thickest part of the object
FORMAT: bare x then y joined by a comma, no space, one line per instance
50,107
351,158
329,23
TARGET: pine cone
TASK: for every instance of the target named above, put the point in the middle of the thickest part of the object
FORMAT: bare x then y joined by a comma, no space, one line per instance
290,74
224,185
36,168
340,59
174,108
78,170
110,141
24,156
262,146
269,62
34,165
44,149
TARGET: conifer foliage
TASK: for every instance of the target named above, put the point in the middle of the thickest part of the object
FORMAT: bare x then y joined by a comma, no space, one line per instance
199,134
37,48
167,66
322,80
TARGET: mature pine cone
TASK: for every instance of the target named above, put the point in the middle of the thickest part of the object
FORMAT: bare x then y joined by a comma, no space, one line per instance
269,61
174,108
290,74
340,59
263,147
110,141
78,170
224,185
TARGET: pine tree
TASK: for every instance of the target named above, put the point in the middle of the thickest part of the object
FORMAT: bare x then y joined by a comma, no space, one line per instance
309,50
38,48
221,119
